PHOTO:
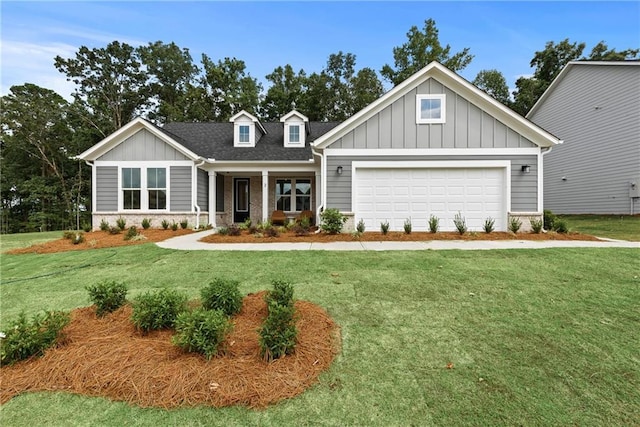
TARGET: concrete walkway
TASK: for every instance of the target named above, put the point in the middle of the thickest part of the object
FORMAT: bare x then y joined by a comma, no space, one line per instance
190,242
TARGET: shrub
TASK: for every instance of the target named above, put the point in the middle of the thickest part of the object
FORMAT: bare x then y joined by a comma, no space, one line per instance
121,223
536,225
282,293
246,225
104,225
332,221
271,231
184,224
278,332
407,226
234,230
76,237
560,225
384,227
514,224
114,230
223,231
222,294
146,223
549,219
165,224
489,225
107,296
87,227
302,227
360,227
157,310
201,331
174,226
461,223
131,233
25,339
434,223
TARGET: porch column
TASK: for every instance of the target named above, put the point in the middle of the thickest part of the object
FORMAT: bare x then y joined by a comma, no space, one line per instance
212,198
318,198
265,195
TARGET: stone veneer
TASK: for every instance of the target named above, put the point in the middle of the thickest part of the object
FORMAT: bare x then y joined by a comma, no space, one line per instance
156,219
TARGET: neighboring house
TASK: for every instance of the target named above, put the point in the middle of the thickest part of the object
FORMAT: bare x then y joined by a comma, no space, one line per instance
433,145
595,108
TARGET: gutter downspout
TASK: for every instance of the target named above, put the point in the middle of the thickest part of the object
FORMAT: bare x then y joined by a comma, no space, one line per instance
93,188
320,207
195,191
541,178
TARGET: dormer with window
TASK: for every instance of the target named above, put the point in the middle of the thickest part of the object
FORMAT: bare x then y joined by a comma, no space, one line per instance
247,129
295,129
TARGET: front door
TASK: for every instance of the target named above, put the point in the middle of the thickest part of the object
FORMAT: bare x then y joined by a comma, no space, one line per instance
241,199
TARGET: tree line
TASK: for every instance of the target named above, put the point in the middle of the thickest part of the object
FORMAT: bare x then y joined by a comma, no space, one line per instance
42,188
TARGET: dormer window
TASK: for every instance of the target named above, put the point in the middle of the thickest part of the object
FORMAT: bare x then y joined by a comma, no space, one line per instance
247,130
295,129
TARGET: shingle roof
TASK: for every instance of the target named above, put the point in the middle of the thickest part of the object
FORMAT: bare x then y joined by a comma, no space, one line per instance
215,141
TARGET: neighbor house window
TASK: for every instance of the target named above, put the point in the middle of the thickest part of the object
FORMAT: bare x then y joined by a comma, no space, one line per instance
285,191
294,134
243,134
131,188
283,194
157,188
430,109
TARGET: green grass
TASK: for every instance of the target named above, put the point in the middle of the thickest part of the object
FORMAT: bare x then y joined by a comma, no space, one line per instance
22,240
537,337
621,227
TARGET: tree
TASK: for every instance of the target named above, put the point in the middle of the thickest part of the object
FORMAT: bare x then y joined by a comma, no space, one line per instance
228,89
171,74
111,85
421,49
601,52
494,83
285,93
37,180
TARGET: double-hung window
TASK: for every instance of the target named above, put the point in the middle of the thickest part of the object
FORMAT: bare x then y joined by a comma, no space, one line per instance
294,134
283,194
157,188
244,134
303,194
285,190
131,188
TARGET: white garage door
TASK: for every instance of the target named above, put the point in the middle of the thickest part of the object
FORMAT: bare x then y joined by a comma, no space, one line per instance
396,194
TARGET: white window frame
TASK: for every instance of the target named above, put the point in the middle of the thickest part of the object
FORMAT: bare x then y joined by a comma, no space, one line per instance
287,134
144,190
443,109
252,134
165,188
122,188
293,194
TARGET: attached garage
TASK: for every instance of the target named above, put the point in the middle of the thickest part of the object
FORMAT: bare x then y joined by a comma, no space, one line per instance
397,191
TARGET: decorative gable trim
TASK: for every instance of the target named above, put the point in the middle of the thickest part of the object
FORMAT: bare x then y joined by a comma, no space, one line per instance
295,129
457,84
128,130
244,129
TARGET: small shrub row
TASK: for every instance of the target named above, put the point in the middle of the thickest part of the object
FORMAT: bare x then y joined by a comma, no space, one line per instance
157,310
107,296
121,224
201,331
278,332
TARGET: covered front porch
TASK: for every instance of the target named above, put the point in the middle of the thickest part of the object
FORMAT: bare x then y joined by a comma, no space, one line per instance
238,194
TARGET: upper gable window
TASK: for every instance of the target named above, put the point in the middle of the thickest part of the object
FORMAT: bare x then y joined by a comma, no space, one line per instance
430,109
244,134
294,134
294,128
247,130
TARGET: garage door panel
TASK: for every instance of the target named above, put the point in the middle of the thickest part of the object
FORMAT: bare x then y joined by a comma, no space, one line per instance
394,195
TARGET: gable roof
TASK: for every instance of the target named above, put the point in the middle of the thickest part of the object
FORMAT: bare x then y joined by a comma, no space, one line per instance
251,117
566,70
130,129
459,85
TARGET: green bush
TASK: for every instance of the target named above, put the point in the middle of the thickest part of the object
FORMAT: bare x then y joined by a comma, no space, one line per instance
174,226
87,227
460,222
489,225
76,237
514,224
114,230
302,227
121,223
332,221
282,293
201,331
434,223
107,296
549,219
131,233
560,225
24,339
223,231
146,223
278,332
536,225
407,226
157,310
104,225
234,230
360,227
384,227
222,294
184,224
165,224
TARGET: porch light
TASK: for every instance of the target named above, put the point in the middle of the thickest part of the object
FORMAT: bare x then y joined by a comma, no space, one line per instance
526,168
339,170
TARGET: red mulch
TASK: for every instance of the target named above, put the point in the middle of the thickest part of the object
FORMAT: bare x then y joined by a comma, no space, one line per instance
107,357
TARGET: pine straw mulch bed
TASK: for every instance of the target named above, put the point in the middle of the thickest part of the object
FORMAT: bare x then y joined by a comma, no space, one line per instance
107,357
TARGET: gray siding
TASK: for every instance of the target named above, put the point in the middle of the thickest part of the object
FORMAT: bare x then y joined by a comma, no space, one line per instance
106,189
595,109
467,126
143,146
203,190
524,189
180,188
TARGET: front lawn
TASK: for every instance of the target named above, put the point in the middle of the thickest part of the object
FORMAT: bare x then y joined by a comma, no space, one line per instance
519,337
622,227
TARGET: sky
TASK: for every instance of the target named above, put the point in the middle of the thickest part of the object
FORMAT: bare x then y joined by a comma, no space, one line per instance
501,35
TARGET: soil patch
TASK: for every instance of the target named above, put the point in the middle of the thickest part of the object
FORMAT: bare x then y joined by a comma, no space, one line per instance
107,357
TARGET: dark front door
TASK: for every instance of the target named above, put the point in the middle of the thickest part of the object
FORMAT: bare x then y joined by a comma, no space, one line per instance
241,199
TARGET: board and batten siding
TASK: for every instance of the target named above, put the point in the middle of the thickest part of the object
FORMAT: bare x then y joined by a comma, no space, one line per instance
143,146
524,187
467,126
180,189
106,189
203,190
595,109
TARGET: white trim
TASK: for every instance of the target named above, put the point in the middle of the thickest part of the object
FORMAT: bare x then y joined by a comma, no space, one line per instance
443,109
432,151
259,168
145,163
265,195
293,113
249,116
301,134
144,190
236,134
212,198
293,181
439,164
